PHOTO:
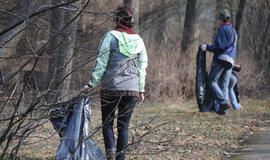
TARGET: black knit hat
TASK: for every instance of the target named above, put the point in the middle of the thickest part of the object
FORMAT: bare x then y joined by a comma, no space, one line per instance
224,15
125,16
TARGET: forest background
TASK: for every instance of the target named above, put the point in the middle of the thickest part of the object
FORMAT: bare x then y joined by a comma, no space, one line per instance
48,47
172,32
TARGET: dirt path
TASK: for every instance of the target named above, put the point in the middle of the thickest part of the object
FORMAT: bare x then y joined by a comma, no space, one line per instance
256,147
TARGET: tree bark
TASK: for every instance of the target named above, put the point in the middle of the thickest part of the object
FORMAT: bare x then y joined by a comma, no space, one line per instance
161,23
189,25
238,22
61,52
239,15
54,54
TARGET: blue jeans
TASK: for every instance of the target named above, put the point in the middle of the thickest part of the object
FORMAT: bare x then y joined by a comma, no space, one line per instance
219,78
125,105
235,104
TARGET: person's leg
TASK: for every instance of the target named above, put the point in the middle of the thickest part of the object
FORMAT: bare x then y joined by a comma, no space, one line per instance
213,80
224,83
125,110
233,81
108,106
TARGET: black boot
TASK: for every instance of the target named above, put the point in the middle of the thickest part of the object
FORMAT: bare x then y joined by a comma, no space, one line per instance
222,109
110,156
120,155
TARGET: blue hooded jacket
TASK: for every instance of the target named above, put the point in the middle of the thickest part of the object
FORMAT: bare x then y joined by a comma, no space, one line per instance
225,44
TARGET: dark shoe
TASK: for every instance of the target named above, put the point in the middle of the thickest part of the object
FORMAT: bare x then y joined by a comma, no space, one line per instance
110,156
222,109
120,156
221,112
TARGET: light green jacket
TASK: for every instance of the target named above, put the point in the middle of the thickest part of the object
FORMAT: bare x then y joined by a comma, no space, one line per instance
121,62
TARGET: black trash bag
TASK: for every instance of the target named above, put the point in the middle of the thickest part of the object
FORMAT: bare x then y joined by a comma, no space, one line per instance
201,79
73,125
204,94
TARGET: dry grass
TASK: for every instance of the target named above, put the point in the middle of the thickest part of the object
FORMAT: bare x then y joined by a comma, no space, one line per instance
176,132
172,74
194,135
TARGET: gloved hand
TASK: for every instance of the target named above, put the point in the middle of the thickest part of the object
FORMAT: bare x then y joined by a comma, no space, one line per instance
141,98
203,47
237,68
85,88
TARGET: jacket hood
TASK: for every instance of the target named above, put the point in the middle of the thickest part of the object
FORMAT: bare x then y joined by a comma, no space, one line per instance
129,44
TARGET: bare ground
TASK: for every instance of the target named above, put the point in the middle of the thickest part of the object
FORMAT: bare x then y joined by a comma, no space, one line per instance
170,132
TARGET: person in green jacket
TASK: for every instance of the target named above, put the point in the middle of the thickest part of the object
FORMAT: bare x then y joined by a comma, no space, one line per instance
120,72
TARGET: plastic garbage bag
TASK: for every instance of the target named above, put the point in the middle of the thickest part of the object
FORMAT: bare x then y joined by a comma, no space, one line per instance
73,125
204,95
201,79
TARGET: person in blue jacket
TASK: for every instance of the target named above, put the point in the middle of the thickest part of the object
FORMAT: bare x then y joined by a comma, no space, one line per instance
120,72
224,50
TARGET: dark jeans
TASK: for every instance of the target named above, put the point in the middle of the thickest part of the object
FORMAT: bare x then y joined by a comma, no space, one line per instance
125,105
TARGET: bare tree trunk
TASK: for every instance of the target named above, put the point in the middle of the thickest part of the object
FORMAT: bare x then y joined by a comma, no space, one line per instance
239,15
12,37
61,52
238,21
232,6
264,55
54,54
257,33
189,25
161,24
135,6
68,51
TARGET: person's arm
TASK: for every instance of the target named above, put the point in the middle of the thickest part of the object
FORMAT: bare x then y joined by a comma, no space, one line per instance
218,46
101,60
143,63
213,48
